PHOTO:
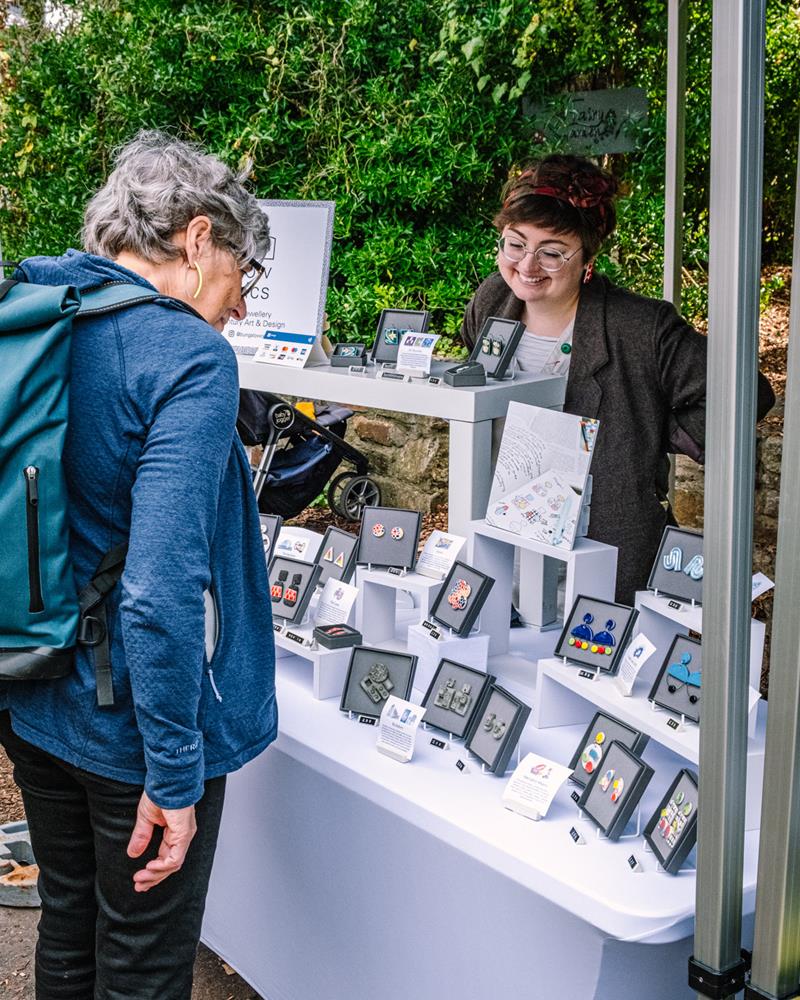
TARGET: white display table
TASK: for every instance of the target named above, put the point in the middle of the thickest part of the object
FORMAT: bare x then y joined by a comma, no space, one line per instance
343,874
469,411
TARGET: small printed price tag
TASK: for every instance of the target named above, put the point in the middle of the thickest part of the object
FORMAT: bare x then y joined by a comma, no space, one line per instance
462,766
439,744
675,605
357,370
295,637
393,376
367,720
633,864
435,634
396,571
434,380
576,837
673,724
588,675
428,625
276,627
575,796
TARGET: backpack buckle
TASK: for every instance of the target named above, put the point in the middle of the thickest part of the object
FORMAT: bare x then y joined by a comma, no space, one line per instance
91,631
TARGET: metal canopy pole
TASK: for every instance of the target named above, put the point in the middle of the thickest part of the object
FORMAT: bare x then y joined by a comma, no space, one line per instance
776,950
677,22
737,105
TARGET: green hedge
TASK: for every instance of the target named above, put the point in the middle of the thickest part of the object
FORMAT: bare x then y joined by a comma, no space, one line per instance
407,115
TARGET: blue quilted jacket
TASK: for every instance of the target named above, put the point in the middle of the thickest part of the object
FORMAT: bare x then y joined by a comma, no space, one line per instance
152,456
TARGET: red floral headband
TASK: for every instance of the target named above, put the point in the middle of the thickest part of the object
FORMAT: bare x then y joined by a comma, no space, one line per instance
584,191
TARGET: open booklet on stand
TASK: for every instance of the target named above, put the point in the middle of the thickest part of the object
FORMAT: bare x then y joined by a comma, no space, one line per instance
540,481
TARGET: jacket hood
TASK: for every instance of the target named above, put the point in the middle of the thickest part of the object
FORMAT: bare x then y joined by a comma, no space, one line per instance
81,270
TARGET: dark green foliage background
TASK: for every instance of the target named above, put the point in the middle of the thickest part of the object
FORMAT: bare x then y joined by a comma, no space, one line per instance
408,115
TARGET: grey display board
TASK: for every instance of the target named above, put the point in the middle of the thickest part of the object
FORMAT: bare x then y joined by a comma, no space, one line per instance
614,790
372,676
389,536
337,555
496,732
291,585
456,697
393,323
678,567
672,829
497,344
595,633
463,594
678,685
601,732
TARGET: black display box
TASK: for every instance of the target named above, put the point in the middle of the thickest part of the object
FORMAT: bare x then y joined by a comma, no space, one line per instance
389,536
678,567
671,831
270,529
292,584
469,374
496,731
392,324
345,355
337,636
372,676
601,732
596,633
496,344
461,598
337,555
678,685
456,697
614,790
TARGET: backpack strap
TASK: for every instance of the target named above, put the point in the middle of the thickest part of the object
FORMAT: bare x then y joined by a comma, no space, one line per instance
93,624
6,286
113,296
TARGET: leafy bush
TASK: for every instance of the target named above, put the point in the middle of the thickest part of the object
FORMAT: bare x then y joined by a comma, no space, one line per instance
407,115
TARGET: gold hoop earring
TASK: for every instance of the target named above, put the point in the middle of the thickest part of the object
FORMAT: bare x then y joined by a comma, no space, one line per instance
199,288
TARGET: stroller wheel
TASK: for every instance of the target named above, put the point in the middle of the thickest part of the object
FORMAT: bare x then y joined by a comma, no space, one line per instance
348,495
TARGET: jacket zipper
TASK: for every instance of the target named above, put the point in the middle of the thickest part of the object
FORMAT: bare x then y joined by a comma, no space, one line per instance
31,474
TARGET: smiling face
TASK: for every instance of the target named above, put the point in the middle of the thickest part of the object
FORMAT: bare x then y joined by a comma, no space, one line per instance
538,288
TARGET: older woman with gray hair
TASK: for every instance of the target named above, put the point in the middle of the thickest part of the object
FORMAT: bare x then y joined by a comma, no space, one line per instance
124,798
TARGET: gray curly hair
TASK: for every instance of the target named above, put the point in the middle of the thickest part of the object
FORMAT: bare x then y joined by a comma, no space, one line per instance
158,185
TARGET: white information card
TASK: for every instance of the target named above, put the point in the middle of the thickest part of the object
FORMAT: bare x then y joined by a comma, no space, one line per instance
439,553
397,731
533,785
415,352
335,603
639,651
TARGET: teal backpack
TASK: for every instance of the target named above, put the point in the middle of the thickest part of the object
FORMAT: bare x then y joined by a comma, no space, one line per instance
42,617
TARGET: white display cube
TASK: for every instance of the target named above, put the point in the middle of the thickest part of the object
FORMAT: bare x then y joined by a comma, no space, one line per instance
328,666
377,604
471,650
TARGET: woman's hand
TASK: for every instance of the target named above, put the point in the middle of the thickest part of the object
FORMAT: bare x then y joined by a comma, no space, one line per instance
179,828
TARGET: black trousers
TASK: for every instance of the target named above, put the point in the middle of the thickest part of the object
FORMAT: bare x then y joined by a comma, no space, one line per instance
98,939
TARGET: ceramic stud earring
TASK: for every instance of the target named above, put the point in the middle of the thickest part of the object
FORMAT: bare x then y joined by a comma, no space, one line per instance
488,722
339,560
462,700
377,684
605,781
591,757
444,696
276,590
486,346
673,560
694,568
397,534
328,557
378,530
499,729
391,337
497,348
617,789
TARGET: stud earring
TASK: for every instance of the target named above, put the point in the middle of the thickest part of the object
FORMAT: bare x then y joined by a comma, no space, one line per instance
605,781
617,789
486,346
397,534
673,559
328,557
694,568
497,348
378,530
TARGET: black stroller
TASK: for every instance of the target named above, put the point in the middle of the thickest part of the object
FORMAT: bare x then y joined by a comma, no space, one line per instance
300,456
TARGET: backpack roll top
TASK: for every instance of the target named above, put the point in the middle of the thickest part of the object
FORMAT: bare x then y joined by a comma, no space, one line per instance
38,598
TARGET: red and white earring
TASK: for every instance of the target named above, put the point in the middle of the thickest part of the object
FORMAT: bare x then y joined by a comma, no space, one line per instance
587,274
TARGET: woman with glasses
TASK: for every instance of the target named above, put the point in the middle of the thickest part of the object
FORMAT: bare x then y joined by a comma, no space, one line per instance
123,775
632,362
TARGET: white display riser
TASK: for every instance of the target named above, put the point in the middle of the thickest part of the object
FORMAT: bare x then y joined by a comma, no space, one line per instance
660,623
328,666
564,698
591,568
377,602
471,650
415,854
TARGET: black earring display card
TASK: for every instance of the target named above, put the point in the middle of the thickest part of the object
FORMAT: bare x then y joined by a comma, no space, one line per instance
337,555
372,676
345,355
393,323
601,732
614,790
270,529
677,687
672,829
595,633
497,344
456,697
496,731
461,598
389,536
292,584
678,569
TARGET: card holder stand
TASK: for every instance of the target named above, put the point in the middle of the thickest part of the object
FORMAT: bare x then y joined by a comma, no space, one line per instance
378,617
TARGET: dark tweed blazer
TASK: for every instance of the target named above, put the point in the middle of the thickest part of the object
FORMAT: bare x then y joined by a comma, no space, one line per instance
640,369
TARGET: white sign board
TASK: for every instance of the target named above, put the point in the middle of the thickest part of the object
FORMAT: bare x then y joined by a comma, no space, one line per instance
285,309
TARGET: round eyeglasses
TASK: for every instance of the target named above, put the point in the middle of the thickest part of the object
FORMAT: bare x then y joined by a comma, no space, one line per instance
251,275
548,258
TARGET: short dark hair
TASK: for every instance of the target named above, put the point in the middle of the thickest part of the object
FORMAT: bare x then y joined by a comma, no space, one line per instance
563,193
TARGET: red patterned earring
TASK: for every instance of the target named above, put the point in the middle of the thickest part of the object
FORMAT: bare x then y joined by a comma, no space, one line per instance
587,274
